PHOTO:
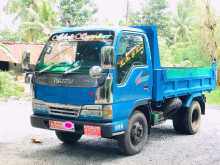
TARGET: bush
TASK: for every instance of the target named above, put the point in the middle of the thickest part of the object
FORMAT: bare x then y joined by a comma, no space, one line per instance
189,54
8,85
214,96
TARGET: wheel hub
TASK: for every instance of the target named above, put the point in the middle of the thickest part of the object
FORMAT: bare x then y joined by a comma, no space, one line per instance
137,133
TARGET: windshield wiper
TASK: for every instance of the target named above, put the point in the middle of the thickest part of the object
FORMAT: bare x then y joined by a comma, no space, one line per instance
47,68
74,66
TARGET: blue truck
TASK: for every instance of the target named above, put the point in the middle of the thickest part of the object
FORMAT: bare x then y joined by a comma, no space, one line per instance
108,82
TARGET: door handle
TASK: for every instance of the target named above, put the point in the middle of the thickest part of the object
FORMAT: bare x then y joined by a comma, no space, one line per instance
145,87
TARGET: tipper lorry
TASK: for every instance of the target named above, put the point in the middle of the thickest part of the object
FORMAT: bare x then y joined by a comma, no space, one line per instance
108,82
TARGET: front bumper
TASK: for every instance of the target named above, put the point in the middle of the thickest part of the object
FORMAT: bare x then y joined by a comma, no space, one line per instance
43,122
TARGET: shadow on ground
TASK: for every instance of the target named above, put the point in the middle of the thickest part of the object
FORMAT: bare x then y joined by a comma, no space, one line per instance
93,150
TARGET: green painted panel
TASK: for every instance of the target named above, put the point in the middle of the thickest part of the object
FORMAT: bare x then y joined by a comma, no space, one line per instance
173,73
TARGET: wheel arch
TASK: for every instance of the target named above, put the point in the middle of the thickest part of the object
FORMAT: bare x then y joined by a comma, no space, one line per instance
195,97
145,108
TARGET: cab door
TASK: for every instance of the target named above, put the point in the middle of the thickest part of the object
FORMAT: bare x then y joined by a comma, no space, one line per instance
133,72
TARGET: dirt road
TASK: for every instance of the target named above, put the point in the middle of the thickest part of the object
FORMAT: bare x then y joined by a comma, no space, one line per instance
164,148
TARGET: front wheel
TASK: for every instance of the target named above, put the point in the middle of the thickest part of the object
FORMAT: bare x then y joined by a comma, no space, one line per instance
136,135
68,137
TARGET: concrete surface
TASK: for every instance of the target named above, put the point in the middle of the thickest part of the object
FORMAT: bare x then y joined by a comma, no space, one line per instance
164,148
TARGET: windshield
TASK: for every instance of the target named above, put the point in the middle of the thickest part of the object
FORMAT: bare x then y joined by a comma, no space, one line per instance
77,51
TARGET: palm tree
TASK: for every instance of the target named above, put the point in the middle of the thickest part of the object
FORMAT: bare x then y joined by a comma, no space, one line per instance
37,17
183,21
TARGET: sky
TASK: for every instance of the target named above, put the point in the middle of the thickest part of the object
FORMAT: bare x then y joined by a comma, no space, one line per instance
113,10
116,9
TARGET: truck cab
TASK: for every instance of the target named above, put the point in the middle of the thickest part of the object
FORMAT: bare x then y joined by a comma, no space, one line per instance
108,82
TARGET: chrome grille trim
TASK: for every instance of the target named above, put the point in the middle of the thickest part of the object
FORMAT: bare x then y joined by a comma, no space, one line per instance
71,80
69,113
60,109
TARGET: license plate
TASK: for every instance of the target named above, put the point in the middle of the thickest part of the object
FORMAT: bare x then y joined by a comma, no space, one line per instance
94,131
64,126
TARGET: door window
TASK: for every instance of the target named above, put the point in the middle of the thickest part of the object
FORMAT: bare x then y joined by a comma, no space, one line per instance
131,53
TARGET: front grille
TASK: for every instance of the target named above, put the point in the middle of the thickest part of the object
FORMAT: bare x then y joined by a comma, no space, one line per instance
64,111
71,80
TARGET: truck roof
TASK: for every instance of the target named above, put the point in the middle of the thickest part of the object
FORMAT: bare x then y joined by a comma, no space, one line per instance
97,28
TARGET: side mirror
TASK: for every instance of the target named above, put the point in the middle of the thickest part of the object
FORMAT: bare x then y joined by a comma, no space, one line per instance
107,57
25,63
95,72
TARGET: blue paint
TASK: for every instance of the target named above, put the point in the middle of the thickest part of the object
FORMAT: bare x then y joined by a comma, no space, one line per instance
189,100
65,95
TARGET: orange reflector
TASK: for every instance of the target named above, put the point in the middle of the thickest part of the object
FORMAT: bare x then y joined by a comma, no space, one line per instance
94,131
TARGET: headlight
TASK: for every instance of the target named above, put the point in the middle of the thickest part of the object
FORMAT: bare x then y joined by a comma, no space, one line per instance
38,105
91,113
99,111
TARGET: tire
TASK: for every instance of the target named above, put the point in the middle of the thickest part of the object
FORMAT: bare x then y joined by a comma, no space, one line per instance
136,136
178,122
68,137
188,121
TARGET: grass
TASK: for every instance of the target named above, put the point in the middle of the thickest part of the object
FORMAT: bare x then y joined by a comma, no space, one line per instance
8,85
214,96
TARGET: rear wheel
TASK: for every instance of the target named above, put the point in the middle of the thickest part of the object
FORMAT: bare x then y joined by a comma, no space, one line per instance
188,121
68,137
136,135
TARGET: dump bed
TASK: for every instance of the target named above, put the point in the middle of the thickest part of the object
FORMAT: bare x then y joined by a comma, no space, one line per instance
172,82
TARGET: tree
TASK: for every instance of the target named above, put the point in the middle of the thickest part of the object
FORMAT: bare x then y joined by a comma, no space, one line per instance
184,20
187,45
37,18
209,30
76,12
154,12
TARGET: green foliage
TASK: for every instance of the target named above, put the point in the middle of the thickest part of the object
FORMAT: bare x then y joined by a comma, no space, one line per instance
186,48
181,34
37,18
7,35
76,12
165,53
213,97
188,54
209,30
155,12
8,86
187,37
184,20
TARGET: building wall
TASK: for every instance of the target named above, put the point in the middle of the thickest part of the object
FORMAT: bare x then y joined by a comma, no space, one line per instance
13,60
